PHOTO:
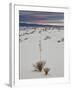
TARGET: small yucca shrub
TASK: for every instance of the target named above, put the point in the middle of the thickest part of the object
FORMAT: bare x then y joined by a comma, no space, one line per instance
46,70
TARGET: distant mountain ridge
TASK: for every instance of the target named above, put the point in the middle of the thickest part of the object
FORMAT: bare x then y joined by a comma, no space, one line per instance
36,25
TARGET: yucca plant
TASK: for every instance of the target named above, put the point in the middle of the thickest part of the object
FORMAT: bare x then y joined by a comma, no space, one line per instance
39,65
46,70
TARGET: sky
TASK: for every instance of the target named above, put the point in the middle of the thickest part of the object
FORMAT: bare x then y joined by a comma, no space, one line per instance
44,18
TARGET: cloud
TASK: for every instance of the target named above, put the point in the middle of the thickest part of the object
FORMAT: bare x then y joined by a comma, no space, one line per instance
37,17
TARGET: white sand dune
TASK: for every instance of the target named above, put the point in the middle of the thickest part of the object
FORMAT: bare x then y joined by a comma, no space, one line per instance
52,53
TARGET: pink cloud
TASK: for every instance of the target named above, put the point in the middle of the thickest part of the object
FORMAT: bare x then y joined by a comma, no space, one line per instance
40,21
